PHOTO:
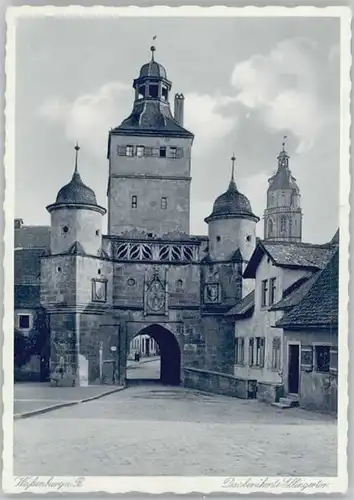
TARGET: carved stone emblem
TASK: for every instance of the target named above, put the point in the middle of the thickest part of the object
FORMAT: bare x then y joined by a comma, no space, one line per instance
155,294
211,293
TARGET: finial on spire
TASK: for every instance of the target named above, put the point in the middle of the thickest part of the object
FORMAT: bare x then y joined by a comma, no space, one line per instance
77,149
233,159
153,48
284,142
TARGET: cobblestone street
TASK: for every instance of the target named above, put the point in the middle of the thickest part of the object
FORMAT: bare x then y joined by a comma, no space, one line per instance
156,430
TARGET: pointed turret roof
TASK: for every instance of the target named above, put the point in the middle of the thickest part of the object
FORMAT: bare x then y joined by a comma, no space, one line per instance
232,203
76,192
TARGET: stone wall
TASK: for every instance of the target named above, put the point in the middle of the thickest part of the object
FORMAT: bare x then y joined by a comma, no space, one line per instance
219,383
268,392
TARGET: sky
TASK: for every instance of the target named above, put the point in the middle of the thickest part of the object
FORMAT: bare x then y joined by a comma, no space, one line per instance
247,83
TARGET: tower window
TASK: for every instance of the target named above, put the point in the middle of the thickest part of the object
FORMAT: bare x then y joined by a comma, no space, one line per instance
97,232
163,152
270,227
153,91
140,151
129,150
164,93
134,201
164,203
282,224
65,229
248,237
173,152
218,238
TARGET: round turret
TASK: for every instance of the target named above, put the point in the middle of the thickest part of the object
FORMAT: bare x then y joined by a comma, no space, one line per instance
232,224
76,218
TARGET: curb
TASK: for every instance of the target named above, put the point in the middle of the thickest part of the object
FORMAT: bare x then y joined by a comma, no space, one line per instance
47,409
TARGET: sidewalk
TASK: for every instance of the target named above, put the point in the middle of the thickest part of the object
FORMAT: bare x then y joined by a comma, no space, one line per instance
34,398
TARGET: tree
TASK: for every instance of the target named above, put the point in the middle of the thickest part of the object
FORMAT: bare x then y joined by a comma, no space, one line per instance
23,349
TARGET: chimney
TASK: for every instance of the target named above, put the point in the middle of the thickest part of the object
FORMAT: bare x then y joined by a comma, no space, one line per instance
18,223
179,108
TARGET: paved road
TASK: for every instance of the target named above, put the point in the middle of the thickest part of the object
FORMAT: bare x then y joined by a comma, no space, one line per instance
146,370
152,429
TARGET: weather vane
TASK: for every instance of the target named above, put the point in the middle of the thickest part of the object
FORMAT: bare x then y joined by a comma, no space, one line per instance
284,141
153,48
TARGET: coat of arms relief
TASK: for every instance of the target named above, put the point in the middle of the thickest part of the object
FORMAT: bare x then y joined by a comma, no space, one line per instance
155,292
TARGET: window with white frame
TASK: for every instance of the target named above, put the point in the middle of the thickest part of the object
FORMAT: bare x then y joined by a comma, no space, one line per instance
239,350
272,290
173,152
129,150
24,321
260,342
134,201
264,293
276,353
251,351
140,151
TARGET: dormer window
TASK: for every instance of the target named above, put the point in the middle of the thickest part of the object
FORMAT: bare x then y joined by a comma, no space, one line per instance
129,150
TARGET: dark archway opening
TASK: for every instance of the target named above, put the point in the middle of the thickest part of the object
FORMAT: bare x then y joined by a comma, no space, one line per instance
170,356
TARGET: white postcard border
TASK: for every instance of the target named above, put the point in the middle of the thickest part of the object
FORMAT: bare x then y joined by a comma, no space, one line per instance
183,484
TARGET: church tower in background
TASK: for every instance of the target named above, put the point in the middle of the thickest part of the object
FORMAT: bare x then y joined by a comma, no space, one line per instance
283,215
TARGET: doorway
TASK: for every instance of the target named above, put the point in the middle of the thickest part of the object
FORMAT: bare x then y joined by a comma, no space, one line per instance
158,342
293,368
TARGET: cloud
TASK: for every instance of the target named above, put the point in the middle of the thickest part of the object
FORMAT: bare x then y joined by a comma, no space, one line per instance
204,117
88,118
284,88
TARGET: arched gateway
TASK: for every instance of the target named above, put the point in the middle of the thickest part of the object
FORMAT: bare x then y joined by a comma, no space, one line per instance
170,352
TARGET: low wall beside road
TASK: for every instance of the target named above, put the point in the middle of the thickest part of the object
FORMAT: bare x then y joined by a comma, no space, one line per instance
219,383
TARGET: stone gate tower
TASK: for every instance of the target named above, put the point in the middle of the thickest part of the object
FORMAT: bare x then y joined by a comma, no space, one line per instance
150,161
283,215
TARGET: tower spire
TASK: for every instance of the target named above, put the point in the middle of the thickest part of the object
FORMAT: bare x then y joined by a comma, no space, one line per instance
232,184
77,149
